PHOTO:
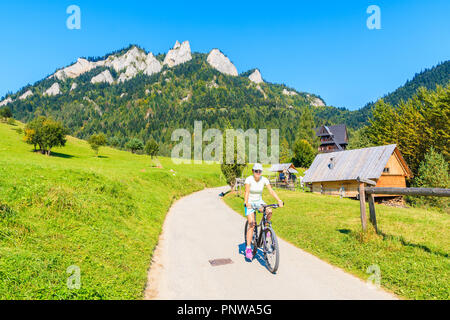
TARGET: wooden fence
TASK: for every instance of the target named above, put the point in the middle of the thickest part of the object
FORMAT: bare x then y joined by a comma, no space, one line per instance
371,191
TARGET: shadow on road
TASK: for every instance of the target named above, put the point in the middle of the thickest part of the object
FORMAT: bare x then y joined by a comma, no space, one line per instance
259,254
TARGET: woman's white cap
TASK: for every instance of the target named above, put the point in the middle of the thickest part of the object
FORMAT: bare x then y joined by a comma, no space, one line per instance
257,166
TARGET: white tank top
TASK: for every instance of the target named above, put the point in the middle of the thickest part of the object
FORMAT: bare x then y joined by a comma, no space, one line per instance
256,188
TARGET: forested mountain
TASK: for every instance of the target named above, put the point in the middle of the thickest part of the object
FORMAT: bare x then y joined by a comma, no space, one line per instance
131,94
429,78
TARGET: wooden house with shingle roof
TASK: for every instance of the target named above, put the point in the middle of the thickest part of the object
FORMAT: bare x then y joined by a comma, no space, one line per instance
332,138
336,173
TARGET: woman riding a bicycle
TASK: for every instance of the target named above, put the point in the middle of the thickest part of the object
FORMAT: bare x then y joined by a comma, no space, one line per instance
254,186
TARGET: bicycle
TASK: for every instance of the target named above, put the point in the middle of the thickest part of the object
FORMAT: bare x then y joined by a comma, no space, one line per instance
269,244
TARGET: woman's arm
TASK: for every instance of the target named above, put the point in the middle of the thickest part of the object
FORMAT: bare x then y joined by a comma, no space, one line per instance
274,194
247,193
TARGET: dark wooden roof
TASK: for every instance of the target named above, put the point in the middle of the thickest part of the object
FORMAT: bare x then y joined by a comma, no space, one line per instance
338,131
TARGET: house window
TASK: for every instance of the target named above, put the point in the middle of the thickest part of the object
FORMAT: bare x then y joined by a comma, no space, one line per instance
386,170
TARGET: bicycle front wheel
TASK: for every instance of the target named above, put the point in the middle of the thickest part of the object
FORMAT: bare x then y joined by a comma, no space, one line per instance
255,247
271,250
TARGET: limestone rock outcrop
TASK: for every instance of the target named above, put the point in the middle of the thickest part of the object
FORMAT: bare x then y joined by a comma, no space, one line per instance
258,87
289,93
221,63
27,94
6,101
256,77
152,65
105,76
128,65
74,86
316,102
180,53
54,90
75,70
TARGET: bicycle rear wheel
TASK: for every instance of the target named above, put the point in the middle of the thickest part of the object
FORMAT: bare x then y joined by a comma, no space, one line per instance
271,250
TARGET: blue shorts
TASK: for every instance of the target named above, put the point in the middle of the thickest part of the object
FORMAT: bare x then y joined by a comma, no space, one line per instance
255,205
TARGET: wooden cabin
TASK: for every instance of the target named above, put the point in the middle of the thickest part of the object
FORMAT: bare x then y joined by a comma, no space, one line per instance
336,173
332,138
283,167
286,175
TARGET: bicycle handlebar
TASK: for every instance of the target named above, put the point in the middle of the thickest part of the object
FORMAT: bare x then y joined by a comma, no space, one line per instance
275,206
272,206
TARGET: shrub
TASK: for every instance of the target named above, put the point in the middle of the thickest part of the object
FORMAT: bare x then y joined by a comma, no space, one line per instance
152,148
5,113
96,141
303,153
135,145
114,142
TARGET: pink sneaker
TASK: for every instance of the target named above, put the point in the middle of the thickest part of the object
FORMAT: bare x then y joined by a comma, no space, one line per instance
249,253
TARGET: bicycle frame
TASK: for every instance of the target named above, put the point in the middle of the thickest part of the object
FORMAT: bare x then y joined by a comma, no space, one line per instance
261,226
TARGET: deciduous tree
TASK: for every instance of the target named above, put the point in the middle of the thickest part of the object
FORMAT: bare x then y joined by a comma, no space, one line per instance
96,141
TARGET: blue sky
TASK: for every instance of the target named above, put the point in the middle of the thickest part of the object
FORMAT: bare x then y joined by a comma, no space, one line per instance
323,47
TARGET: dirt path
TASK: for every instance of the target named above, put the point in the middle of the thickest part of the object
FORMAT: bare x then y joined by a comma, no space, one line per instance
201,227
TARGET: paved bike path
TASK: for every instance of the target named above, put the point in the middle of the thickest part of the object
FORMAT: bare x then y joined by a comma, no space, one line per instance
201,227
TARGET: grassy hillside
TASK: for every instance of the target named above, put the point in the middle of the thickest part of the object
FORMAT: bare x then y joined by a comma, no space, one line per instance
412,250
103,215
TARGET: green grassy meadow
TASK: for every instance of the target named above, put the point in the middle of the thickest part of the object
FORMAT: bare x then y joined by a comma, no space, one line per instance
102,214
412,249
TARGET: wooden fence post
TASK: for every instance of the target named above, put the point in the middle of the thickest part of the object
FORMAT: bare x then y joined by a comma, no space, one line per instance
362,205
373,217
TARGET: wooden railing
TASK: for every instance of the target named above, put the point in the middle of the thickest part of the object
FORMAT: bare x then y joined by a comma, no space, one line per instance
371,191
282,184
275,182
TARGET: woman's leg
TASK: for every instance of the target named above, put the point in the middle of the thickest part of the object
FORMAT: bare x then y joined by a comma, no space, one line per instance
251,227
269,214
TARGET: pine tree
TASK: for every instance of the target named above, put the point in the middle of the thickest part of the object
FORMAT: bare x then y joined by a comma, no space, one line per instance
286,153
303,154
306,127
433,173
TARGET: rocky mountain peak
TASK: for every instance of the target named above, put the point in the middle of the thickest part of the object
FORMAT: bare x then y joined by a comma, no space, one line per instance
179,54
256,77
221,63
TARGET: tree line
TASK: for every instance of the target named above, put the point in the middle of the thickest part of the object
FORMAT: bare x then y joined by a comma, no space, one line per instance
44,133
